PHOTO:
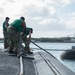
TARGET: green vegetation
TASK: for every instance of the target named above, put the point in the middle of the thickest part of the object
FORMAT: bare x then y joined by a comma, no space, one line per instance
61,39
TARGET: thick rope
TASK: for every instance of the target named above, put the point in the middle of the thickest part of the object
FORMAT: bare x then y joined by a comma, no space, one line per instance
21,66
42,49
20,55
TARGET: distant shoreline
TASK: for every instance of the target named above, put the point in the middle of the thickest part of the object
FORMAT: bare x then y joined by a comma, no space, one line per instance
49,40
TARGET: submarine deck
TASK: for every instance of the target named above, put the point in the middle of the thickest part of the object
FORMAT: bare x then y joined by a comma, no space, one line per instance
43,64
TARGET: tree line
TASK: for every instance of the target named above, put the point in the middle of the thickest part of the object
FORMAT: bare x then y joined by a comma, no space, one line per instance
55,39
60,39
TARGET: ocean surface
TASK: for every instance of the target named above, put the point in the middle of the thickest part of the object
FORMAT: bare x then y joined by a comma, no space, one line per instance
55,49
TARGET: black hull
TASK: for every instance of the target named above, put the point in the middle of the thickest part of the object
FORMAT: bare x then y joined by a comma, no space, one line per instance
69,54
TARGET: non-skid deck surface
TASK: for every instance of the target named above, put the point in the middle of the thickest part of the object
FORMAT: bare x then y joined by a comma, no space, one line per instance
8,65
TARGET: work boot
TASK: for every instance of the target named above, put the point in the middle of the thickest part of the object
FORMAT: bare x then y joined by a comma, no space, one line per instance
6,46
7,50
29,52
12,52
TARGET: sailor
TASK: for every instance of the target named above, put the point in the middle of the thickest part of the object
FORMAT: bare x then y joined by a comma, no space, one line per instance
14,30
26,38
6,37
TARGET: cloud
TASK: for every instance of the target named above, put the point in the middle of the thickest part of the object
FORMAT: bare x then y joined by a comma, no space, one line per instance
70,23
48,16
71,14
65,1
47,21
11,1
1,10
51,34
52,10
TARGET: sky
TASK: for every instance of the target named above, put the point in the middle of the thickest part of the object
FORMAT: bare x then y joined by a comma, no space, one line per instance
48,18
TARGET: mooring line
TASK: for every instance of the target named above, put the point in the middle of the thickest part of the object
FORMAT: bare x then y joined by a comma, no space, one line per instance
42,49
21,66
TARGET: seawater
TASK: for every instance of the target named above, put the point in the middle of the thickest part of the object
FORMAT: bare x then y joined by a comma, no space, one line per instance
54,46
